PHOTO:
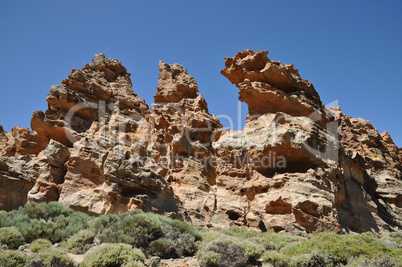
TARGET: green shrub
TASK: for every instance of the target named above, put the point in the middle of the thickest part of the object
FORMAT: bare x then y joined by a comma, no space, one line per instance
3,247
268,240
301,261
185,245
252,251
51,221
339,248
143,229
51,258
383,261
81,242
137,229
13,259
40,244
174,245
11,237
276,259
215,235
315,258
396,238
209,259
275,241
112,255
163,248
241,233
230,254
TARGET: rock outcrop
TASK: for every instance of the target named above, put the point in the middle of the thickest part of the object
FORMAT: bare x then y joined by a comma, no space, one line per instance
97,162
270,86
19,165
295,166
182,133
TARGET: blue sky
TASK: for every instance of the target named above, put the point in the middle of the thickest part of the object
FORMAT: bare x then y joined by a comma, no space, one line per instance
350,50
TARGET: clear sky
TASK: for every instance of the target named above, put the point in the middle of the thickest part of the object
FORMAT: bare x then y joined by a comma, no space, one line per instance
350,50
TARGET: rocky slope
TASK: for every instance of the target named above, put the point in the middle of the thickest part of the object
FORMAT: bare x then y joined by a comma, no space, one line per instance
295,166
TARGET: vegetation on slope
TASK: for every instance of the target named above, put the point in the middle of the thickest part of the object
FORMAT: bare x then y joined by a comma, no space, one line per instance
44,234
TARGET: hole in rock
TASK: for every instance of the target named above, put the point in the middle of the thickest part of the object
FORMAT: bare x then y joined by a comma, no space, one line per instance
278,228
233,215
284,159
262,226
135,191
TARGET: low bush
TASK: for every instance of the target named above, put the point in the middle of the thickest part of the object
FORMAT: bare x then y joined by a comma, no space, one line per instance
252,251
154,233
396,238
39,245
230,254
51,221
276,259
215,234
275,241
163,248
268,240
13,259
112,255
185,245
51,258
11,237
209,259
81,242
340,248
173,246
383,261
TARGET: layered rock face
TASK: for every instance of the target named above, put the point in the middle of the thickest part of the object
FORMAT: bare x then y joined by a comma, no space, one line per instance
182,133
97,160
332,172
19,165
295,166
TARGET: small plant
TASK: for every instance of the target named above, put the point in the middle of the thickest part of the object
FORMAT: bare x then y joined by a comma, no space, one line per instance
209,259
252,251
163,248
340,248
113,255
230,254
81,242
51,221
51,258
11,237
275,241
383,261
153,233
268,240
276,258
13,259
396,238
185,245
40,245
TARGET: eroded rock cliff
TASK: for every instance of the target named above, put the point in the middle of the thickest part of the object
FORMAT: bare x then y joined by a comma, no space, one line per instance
295,166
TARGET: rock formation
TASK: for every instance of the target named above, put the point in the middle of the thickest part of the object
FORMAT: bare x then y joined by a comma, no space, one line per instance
295,166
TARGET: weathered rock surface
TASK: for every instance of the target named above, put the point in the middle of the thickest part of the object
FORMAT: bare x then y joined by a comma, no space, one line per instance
295,166
270,86
97,162
379,171
182,133
21,141
19,166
